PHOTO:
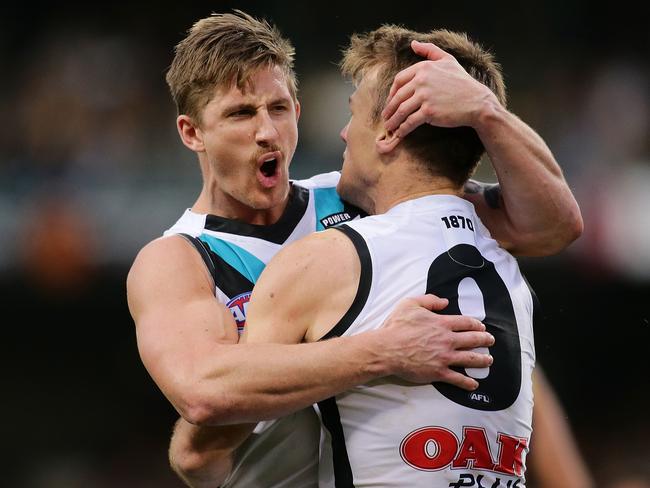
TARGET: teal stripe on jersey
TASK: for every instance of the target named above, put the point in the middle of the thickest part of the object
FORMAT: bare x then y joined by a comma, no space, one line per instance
327,202
240,259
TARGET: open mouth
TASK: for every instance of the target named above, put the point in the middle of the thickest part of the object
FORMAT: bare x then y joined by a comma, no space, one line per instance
269,168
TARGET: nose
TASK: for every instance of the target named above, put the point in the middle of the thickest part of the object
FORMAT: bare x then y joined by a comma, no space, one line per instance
344,132
266,132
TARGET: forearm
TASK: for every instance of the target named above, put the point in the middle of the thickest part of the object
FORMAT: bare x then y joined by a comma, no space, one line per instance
252,382
542,216
203,456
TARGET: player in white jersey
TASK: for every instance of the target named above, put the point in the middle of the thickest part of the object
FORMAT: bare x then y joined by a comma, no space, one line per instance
398,434
234,86
424,239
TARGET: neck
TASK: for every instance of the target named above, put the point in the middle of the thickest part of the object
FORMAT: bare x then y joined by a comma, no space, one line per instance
225,205
408,181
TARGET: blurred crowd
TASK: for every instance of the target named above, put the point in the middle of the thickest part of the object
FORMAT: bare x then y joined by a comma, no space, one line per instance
91,148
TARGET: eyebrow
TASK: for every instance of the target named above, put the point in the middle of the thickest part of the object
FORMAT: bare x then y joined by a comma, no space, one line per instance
237,107
279,100
249,106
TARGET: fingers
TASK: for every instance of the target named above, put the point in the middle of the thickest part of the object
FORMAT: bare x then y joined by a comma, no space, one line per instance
407,104
460,323
430,302
469,340
460,380
412,122
428,50
465,359
471,359
394,105
401,79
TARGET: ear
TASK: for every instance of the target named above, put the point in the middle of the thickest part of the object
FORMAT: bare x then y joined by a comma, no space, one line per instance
297,110
190,133
387,141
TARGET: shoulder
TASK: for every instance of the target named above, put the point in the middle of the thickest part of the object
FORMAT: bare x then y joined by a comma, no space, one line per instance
166,263
171,251
317,251
305,288
311,267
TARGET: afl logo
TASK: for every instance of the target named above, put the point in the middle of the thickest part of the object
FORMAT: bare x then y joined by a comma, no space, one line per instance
238,306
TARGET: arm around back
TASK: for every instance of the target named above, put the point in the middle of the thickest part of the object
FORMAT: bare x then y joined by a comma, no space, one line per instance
186,339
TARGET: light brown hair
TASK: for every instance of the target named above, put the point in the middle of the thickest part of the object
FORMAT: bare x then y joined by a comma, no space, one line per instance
450,152
221,50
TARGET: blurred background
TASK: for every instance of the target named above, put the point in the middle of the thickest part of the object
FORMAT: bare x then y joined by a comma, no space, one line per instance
91,169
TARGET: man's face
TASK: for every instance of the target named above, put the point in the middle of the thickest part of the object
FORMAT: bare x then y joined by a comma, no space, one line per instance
360,159
250,138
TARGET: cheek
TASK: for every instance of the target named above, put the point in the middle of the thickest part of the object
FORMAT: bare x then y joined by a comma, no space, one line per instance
291,137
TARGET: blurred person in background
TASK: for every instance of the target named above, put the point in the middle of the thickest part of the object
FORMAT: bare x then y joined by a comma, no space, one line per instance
555,461
188,294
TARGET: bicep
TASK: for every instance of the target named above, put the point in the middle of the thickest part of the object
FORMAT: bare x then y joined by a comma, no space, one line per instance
178,319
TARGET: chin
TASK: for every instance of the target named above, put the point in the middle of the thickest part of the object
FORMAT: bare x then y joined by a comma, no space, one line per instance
346,193
270,199
355,196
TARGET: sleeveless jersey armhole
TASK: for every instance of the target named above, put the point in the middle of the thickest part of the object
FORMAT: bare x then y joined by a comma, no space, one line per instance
365,280
200,246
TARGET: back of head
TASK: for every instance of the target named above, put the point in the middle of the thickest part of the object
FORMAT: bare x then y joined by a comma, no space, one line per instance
222,50
450,152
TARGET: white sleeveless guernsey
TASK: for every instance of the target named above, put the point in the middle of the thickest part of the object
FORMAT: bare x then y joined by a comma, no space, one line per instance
391,433
280,453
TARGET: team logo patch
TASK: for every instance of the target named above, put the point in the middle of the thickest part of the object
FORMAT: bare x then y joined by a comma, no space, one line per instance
335,219
238,307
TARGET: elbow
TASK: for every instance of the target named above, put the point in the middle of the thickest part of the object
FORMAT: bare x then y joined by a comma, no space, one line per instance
567,231
555,240
576,227
198,412
571,226
203,410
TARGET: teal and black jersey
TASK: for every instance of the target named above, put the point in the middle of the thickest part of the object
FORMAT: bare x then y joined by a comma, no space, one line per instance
236,252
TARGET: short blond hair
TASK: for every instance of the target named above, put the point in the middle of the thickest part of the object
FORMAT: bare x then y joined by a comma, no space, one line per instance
221,50
452,152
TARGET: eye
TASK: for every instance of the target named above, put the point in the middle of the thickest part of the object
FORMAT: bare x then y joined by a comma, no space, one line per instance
279,108
245,112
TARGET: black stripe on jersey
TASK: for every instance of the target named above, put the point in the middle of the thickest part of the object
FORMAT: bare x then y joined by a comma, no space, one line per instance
277,233
203,250
228,279
332,421
365,281
353,210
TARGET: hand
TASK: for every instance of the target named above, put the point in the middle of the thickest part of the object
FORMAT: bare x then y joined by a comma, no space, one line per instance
438,92
424,345
202,456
